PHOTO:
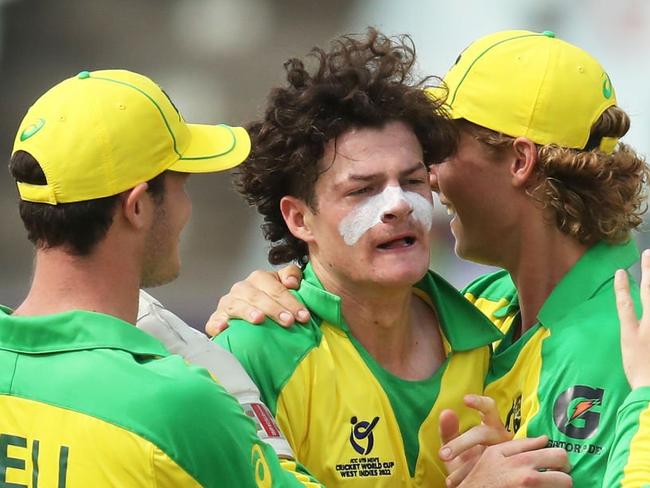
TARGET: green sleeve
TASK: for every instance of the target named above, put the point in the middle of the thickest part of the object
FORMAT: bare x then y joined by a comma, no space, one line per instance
269,353
218,445
629,460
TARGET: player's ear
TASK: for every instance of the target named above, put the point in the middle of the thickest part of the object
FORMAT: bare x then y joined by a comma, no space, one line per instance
297,216
135,205
524,162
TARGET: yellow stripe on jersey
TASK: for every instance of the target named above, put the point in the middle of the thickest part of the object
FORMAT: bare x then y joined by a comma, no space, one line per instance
488,307
323,398
515,392
48,446
637,470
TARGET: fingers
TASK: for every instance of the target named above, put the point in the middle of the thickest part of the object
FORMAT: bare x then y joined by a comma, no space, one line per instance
551,479
516,463
448,426
487,408
517,446
645,280
491,431
260,294
290,276
231,307
216,324
550,458
457,476
625,306
478,435
269,295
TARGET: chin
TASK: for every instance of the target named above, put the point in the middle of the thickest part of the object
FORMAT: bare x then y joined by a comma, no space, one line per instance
398,277
159,276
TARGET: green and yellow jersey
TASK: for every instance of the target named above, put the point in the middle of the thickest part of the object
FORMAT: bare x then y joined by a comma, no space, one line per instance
347,419
563,377
629,460
87,400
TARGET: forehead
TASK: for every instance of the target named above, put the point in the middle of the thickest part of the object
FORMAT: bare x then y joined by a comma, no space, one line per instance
372,150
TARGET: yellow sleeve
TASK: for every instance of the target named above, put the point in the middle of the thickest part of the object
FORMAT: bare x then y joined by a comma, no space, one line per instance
628,465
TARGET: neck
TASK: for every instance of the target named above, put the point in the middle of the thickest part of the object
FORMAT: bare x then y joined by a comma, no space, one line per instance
538,262
397,328
102,282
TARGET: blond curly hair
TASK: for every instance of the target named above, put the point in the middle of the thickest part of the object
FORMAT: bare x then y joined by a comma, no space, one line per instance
593,196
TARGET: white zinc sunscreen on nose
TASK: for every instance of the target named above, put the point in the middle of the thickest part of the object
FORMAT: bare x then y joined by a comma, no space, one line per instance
368,214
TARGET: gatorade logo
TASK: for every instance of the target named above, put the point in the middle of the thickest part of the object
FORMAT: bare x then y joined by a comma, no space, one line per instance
607,87
361,432
32,129
263,478
577,411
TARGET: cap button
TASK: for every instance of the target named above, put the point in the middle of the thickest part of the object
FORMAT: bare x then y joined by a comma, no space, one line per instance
548,33
83,75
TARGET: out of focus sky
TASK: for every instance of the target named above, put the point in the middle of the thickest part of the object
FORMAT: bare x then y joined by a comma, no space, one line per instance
217,59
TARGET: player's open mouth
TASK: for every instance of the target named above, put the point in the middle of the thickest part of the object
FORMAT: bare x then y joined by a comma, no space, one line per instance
398,243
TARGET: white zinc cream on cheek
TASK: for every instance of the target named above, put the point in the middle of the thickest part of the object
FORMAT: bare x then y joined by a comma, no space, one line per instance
368,214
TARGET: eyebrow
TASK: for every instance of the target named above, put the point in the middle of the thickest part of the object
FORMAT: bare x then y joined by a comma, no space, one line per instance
372,176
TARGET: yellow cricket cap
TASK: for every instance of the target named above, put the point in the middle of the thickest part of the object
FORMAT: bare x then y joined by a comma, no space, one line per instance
529,84
103,132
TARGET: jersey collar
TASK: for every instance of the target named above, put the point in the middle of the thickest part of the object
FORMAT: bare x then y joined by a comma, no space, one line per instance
595,268
462,324
73,331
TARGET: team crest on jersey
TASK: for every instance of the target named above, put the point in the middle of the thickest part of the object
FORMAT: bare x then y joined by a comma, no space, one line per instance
362,440
513,419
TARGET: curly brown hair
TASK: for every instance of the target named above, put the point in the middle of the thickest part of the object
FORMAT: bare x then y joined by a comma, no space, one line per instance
362,81
593,196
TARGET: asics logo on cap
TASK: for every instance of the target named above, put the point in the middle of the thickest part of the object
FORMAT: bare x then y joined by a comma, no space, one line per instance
607,86
32,129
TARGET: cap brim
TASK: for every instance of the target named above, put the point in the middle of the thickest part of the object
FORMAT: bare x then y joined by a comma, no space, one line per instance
213,148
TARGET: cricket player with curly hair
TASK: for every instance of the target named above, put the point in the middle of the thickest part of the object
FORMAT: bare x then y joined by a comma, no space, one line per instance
542,187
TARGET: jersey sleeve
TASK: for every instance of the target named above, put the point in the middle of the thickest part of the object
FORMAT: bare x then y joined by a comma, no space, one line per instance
629,461
273,357
217,444
269,353
196,348
179,338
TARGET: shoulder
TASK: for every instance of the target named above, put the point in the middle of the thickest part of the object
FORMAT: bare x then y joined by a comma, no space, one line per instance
202,422
170,385
242,336
269,353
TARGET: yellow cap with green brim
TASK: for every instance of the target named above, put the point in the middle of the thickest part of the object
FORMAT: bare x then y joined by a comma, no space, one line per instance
529,84
103,132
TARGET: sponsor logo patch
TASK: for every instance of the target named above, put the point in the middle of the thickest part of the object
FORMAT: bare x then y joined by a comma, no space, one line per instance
576,414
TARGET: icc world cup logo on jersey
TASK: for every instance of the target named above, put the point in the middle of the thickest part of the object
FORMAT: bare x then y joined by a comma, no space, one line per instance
361,434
